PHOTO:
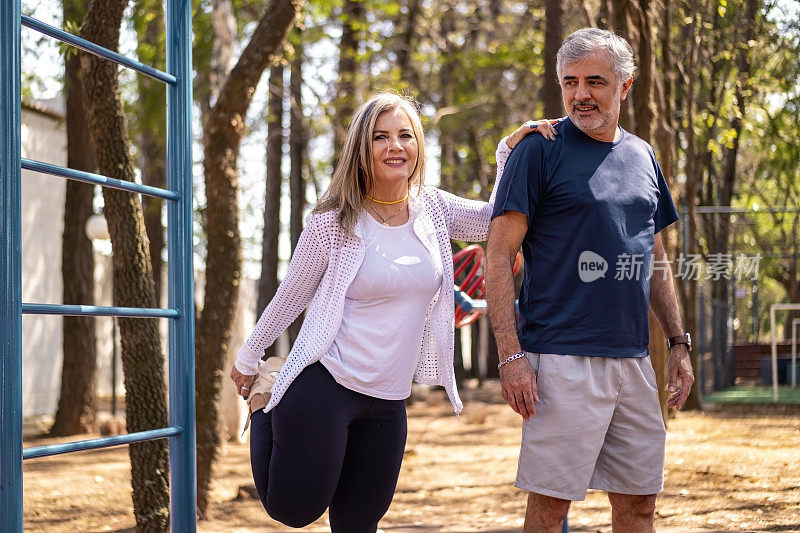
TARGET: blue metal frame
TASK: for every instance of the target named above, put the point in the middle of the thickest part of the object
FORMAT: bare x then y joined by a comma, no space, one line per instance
183,474
10,269
466,303
90,47
97,179
181,431
92,310
95,444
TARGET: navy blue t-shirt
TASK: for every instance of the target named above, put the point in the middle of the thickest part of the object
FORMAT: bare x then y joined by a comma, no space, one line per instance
593,209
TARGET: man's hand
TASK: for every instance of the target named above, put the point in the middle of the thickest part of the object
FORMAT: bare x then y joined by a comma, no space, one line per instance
519,387
679,366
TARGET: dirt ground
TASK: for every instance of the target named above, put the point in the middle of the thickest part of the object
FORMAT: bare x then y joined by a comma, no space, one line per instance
735,468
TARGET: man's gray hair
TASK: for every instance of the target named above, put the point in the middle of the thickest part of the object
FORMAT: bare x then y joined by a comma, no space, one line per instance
585,41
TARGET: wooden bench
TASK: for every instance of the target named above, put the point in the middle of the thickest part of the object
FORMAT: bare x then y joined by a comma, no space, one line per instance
748,358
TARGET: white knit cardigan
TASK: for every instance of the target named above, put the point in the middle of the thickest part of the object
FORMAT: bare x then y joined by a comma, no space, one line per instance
324,264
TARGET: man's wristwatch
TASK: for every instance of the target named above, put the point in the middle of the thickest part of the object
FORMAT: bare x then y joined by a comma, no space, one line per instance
680,339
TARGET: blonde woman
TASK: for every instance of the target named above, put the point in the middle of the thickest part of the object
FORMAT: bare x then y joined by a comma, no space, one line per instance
374,268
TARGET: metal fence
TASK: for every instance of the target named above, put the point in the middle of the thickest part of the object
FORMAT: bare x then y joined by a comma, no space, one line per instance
752,265
180,311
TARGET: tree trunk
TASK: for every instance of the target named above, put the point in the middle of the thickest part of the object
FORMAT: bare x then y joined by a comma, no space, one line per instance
151,50
665,147
604,15
665,129
77,402
492,356
268,283
721,288
297,149
643,88
586,11
224,130
689,288
641,96
475,342
224,23
619,21
154,173
553,35
458,358
479,167
214,64
447,157
353,14
743,67
658,357
406,44
142,360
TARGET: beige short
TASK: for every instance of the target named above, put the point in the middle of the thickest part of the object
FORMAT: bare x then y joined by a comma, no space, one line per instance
598,425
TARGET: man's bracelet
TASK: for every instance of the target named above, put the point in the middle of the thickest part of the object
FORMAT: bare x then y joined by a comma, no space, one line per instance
518,355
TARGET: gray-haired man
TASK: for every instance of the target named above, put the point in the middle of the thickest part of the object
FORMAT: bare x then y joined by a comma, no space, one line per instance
591,202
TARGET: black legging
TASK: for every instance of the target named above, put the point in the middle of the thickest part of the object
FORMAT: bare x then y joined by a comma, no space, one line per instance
326,446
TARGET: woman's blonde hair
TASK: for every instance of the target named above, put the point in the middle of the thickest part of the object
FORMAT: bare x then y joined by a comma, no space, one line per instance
354,175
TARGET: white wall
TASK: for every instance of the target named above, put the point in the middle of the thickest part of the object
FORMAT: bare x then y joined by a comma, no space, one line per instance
42,208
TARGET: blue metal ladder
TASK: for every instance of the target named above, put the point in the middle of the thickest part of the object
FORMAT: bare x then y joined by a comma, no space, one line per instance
180,311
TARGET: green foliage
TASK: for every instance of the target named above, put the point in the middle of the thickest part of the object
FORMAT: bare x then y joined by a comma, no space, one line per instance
146,106
770,176
202,46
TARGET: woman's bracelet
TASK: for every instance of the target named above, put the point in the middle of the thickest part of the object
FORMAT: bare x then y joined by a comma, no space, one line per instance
518,355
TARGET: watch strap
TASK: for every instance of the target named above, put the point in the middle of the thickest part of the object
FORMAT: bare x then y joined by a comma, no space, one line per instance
680,339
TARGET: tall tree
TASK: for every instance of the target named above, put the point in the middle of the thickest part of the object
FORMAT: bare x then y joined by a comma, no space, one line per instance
353,20
297,145
213,55
665,128
224,128
688,289
619,22
553,35
268,283
447,68
148,21
142,359
297,150
643,88
604,15
406,40
716,75
768,159
720,232
77,402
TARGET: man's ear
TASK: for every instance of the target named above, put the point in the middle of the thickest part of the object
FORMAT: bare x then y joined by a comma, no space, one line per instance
626,87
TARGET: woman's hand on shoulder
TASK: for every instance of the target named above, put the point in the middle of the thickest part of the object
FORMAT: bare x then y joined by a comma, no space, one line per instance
545,127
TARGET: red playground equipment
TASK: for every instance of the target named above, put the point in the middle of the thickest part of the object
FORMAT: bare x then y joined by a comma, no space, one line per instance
468,272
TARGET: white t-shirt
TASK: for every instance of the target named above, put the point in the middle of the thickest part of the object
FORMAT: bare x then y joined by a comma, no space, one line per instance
377,347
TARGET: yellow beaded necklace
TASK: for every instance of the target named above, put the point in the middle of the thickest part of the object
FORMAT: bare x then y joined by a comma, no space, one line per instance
403,199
